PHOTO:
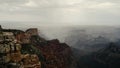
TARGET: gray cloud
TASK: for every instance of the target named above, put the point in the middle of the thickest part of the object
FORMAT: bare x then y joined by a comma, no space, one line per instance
69,12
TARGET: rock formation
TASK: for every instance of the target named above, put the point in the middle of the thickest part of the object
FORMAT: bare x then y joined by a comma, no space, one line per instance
11,56
26,49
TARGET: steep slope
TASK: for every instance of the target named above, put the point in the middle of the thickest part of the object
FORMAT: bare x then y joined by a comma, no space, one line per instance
56,54
109,56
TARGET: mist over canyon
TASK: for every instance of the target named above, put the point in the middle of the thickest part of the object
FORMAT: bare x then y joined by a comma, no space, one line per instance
86,38
86,46
90,38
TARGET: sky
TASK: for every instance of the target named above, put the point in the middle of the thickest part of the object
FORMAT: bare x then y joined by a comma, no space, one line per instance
60,12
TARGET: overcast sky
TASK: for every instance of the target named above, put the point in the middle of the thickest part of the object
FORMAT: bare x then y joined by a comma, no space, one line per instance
61,12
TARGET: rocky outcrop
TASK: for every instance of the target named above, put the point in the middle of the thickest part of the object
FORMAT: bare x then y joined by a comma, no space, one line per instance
25,37
32,31
26,49
10,53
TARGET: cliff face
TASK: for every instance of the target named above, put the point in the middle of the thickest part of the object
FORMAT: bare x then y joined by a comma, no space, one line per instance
11,55
57,55
32,50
